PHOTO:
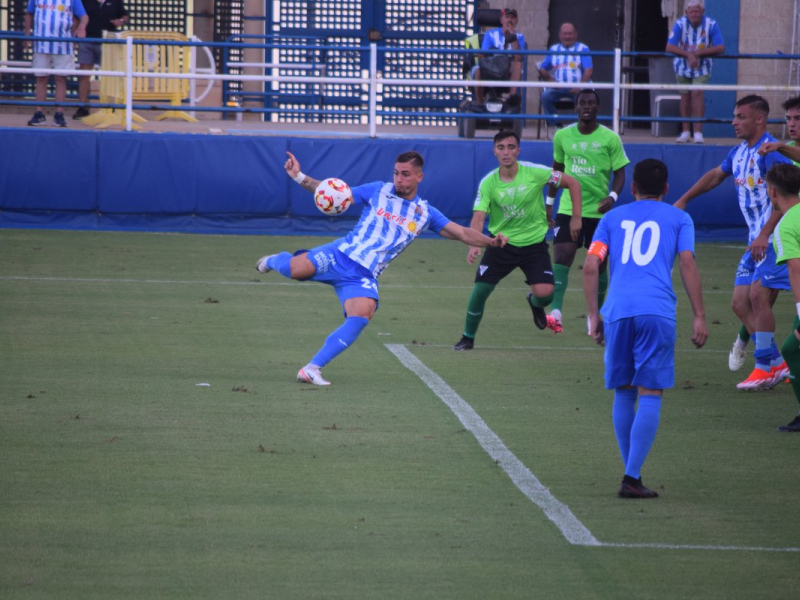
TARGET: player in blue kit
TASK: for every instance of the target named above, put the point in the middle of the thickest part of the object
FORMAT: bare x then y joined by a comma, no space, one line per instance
641,241
393,216
758,279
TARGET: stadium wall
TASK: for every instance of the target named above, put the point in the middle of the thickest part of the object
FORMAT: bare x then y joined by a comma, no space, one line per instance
237,184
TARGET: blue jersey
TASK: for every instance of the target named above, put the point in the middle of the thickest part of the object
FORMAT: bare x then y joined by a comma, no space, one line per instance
387,226
749,171
567,66
53,18
495,39
689,38
643,238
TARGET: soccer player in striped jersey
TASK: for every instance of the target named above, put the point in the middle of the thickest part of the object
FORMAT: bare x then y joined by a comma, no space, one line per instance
783,186
393,216
641,241
695,38
758,279
53,19
511,196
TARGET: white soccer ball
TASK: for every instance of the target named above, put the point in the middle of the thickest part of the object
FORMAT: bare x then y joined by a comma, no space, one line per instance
333,196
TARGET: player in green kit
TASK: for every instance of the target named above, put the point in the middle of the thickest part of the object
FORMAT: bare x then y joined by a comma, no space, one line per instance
790,150
513,199
783,186
592,154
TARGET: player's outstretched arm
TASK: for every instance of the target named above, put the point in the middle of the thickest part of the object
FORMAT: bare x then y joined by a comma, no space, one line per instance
292,166
705,184
790,152
470,237
591,278
694,289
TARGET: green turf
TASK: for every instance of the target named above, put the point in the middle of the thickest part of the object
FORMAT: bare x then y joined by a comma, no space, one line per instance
120,477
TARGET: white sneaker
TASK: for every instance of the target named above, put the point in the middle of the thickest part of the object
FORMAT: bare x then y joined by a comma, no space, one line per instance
737,357
310,374
698,138
261,265
683,138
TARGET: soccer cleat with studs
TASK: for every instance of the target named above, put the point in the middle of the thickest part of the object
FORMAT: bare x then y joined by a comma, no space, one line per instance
554,324
759,379
793,427
539,316
779,373
465,343
311,374
261,264
736,358
633,488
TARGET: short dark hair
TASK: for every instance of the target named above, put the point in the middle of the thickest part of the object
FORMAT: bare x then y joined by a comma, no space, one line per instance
588,91
755,102
650,177
505,133
413,157
785,177
791,103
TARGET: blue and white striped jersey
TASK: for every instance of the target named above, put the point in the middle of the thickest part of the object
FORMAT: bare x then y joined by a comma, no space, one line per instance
388,224
749,171
686,37
495,39
567,66
53,18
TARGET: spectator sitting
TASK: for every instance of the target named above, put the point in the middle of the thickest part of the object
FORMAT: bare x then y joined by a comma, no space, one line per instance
565,67
694,39
504,37
104,15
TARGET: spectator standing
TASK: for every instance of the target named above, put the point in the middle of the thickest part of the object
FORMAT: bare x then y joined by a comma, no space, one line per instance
393,216
504,37
758,278
641,241
783,186
565,67
104,15
592,154
511,196
53,19
695,38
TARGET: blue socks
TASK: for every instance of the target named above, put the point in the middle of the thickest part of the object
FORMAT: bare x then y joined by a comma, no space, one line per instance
765,349
339,340
635,428
280,263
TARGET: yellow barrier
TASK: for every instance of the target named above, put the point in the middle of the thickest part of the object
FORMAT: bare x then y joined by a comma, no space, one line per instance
152,58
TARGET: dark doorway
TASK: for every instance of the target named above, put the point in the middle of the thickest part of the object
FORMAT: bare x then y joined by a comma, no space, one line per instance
650,33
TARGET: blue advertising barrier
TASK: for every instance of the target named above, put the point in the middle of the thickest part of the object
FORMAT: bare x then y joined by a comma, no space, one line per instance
237,183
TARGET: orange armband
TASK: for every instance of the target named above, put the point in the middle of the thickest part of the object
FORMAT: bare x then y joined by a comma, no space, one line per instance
598,249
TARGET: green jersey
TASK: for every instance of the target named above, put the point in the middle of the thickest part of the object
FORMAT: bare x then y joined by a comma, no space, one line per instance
786,239
516,208
792,143
591,159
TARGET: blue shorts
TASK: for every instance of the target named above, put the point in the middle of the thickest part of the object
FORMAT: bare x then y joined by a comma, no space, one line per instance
775,277
348,278
640,351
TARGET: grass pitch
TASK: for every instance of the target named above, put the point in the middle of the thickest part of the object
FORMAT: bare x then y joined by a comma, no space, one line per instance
121,476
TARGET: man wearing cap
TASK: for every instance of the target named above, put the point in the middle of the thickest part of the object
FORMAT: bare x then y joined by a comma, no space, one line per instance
504,37
567,66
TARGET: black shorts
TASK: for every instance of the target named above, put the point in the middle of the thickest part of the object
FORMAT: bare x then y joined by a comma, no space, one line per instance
584,237
534,260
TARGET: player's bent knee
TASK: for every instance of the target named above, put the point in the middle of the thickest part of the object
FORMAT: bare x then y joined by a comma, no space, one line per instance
301,267
360,307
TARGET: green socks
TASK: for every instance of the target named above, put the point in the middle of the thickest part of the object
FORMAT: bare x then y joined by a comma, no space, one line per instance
542,302
477,302
744,335
561,276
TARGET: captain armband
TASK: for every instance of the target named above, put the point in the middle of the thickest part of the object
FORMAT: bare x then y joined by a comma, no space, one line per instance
555,178
598,249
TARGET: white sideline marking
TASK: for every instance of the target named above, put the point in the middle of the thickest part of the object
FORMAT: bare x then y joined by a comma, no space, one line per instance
575,532
560,514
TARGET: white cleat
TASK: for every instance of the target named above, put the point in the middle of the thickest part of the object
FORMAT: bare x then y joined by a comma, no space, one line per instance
261,265
737,358
311,374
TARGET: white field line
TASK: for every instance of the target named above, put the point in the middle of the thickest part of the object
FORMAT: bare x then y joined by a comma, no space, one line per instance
265,283
575,532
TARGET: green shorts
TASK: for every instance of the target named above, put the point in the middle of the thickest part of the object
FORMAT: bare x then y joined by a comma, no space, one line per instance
702,80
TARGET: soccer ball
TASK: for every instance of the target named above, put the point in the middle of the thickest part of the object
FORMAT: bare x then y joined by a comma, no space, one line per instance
333,196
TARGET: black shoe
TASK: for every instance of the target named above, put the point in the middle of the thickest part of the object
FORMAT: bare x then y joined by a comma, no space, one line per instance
38,118
539,316
633,488
464,343
794,426
58,120
81,113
